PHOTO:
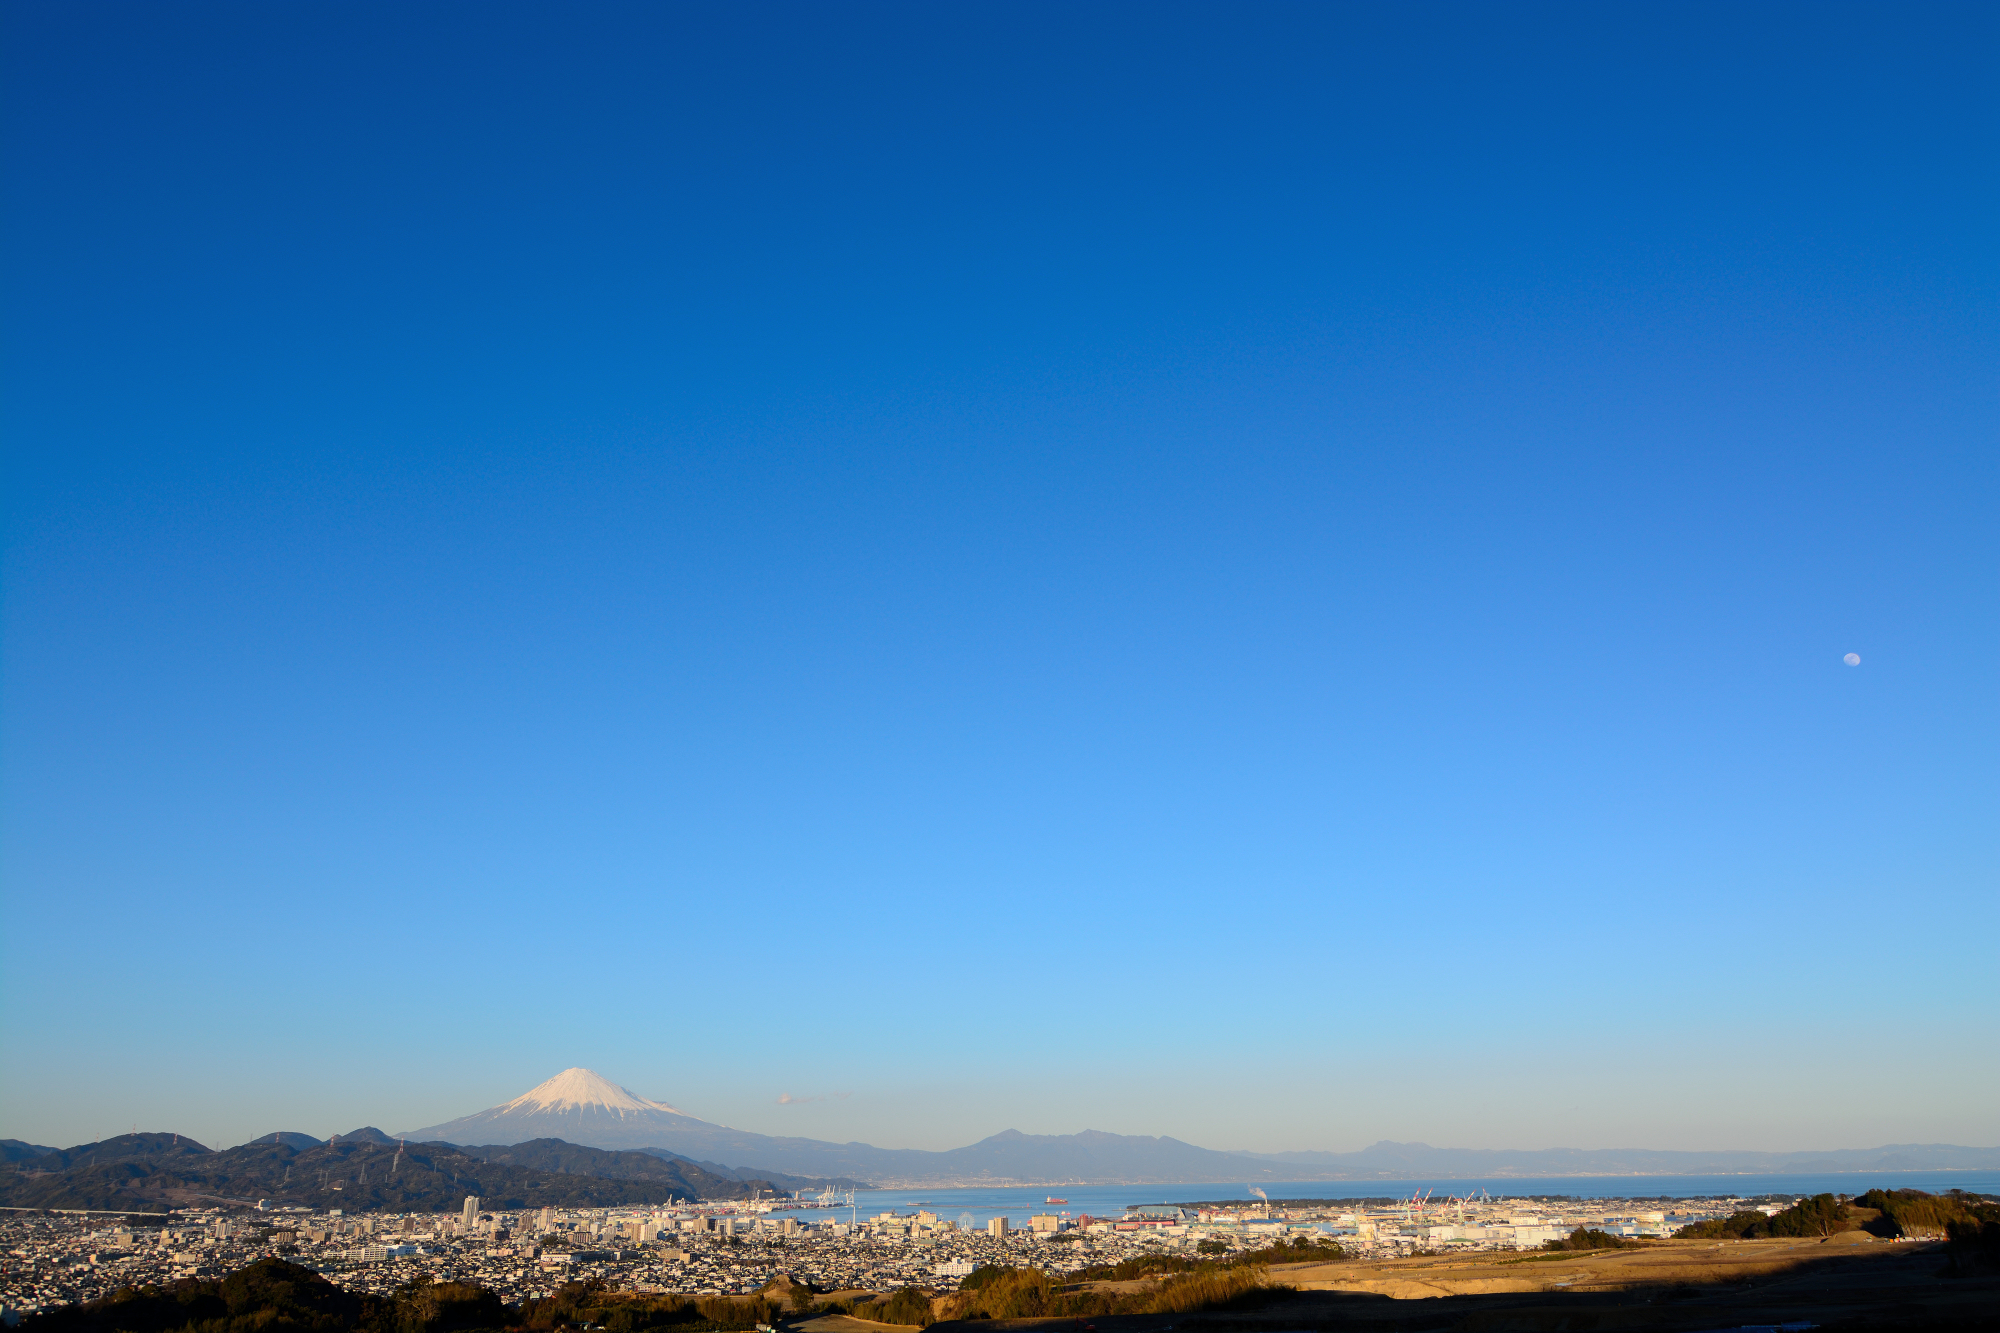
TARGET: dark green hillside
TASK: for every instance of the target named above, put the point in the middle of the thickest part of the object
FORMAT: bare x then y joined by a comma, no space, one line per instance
565,1158
354,1176
703,1178
123,1148
14,1150
366,1134
750,1173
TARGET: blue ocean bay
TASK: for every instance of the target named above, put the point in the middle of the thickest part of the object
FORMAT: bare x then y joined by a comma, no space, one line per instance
1019,1203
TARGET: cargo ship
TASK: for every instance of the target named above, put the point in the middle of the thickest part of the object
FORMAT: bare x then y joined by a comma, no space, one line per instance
1053,1199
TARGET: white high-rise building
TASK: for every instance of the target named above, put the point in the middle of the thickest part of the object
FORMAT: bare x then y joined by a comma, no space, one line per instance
471,1216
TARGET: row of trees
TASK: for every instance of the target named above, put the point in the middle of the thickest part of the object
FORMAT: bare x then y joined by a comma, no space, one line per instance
1590,1238
1915,1213
1821,1215
1298,1250
1911,1213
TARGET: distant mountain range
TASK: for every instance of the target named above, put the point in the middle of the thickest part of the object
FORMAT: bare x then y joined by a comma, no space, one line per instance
14,1150
580,1140
582,1107
1402,1161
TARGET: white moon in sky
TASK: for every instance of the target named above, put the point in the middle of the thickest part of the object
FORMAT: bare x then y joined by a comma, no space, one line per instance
1852,659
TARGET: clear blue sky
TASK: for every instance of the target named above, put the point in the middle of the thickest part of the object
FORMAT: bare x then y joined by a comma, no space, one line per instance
1271,574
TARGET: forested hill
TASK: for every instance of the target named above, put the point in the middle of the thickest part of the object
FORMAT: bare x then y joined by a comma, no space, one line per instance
122,1148
575,1159
356,1176
13,1150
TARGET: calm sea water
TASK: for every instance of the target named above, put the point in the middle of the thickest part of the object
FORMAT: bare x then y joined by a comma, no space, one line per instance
1018,1204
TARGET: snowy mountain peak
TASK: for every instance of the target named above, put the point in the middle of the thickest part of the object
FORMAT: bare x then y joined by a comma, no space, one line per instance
578,1090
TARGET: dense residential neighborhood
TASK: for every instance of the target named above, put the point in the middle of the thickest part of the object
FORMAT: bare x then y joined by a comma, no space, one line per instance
53,1259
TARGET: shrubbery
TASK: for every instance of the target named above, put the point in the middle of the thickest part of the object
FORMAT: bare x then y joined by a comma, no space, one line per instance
1029,1293
1968,1222
1738,1225
911,1305
1975,1240
1298,1250
585,1303
1004,1293
1145,1265
982,1275
448,1307
271,1295
1205,1290
1589,1238
1301,1250
1913,1212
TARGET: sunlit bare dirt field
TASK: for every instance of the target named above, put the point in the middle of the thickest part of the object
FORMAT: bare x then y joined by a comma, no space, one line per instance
1851,1281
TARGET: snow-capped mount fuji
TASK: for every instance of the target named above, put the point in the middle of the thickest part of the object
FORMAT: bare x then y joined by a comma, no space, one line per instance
577,1105
582,1089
